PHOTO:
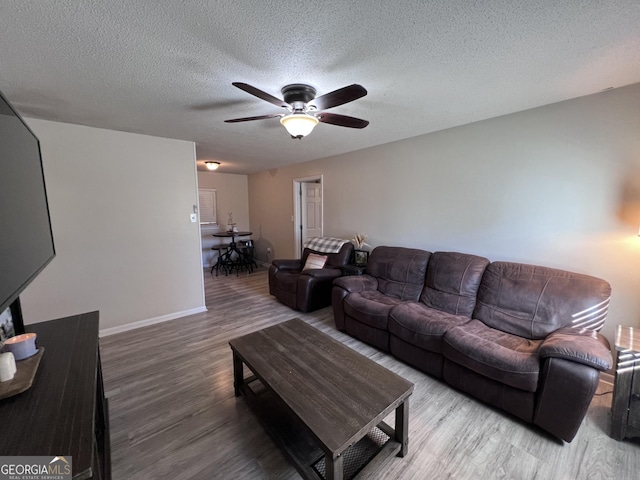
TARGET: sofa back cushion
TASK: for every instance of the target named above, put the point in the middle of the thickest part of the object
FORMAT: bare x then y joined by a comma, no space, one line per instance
452,282
334,260
532,301
400,271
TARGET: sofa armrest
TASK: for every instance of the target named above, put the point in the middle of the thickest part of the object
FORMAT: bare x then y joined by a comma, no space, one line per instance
579,345
314,288
279,265
287,264
356,283
343,286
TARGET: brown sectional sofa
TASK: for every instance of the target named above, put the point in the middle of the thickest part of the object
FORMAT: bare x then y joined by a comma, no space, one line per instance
520,337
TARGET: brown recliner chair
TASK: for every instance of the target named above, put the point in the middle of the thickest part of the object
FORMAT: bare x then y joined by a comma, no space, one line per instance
307,290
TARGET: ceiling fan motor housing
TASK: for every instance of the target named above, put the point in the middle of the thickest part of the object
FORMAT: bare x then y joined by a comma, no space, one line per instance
298,94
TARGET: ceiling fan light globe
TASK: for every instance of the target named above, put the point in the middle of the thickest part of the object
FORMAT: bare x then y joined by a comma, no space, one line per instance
299,124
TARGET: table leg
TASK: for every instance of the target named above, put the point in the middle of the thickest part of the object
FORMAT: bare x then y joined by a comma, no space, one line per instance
219,262
622,389
402,427
334,467
232,262
238,374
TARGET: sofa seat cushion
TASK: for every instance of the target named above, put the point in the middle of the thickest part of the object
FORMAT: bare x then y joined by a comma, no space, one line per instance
498,355
370,307
424,327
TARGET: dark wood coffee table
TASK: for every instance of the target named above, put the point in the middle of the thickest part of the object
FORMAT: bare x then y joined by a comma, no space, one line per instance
317,397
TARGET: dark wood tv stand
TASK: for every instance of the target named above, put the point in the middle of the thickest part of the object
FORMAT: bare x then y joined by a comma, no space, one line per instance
65,411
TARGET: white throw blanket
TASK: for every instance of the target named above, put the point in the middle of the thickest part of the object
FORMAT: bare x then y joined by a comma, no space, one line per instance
325,244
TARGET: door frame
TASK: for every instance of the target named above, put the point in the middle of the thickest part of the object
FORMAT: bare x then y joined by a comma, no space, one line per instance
297,208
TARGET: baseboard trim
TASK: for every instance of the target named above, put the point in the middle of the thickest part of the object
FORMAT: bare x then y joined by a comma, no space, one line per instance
606,378
105,332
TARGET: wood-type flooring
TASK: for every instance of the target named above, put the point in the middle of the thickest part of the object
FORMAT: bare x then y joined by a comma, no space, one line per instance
174,415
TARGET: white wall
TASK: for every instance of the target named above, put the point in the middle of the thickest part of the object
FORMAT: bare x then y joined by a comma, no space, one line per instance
232,196
120,206
557,186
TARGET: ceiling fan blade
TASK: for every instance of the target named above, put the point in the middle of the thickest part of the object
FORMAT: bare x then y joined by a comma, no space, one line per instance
259,117
260,94
342,120
339,97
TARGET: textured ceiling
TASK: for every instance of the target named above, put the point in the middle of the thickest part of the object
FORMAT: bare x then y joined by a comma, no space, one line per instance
165,67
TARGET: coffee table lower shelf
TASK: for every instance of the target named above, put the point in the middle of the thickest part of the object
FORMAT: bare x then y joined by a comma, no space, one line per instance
293,438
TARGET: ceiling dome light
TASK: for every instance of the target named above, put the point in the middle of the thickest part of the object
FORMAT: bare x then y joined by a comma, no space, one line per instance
299,124
212,165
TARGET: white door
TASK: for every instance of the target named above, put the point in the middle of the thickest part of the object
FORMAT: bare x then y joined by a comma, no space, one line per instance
311,199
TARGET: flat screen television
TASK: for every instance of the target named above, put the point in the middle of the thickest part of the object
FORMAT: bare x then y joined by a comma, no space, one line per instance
26,238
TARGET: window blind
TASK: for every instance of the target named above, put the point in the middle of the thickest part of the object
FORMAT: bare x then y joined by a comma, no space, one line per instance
207,199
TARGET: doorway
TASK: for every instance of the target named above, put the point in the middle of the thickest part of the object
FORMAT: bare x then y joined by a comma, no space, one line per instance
307,211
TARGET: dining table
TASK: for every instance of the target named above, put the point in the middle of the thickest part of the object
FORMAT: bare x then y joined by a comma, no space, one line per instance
233,257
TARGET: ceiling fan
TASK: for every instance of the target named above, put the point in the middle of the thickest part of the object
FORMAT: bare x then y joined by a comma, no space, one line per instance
305,109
